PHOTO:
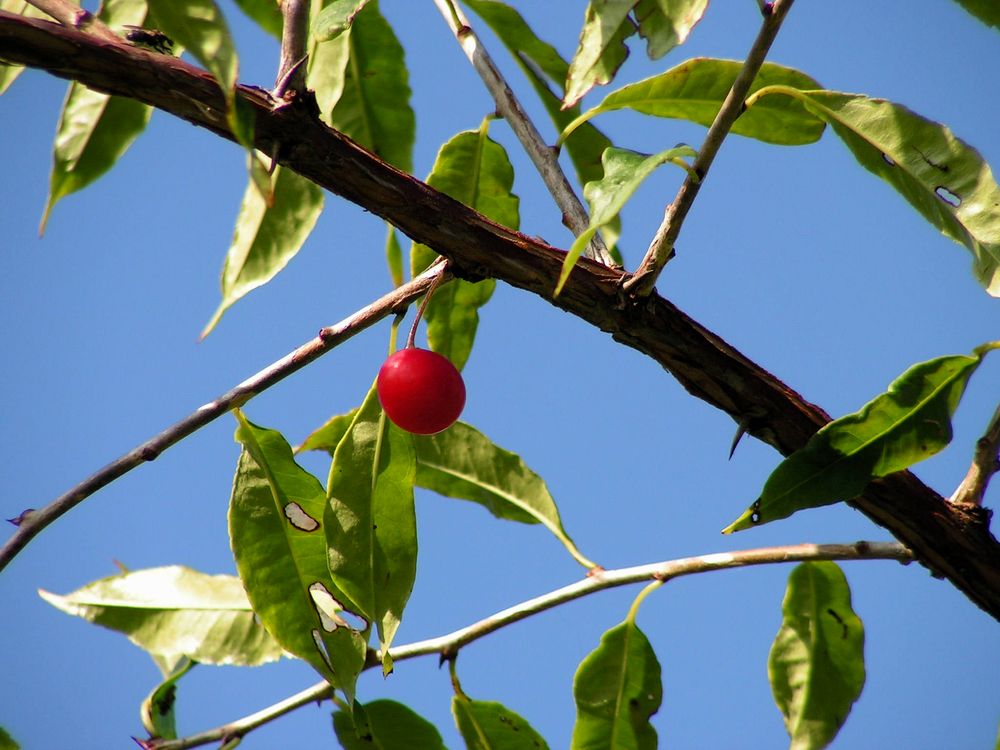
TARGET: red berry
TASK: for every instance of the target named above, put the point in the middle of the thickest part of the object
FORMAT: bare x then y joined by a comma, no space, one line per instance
421,391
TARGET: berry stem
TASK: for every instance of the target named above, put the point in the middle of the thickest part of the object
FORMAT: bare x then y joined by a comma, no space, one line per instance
427,297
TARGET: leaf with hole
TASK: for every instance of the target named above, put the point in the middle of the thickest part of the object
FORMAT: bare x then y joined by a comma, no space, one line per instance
911,421
276,532
817,666
940,175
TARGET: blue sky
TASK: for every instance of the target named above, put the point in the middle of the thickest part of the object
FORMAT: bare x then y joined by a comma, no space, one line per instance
796,256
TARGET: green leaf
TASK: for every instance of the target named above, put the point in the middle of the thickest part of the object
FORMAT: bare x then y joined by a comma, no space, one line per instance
157,712
327,437
394,255
175,612
327,71
7,742
336,18
817,666
8,72
941,176
390,726
911,421
370,520
602,48
267,237
617,689
986,11
276,532
664,24
624,171
487,725
265,13
94,129
695,90
373,107
198,25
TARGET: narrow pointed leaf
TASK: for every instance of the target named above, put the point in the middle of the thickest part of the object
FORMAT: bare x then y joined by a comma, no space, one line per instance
940,175
327,71
988,12
374,105
175,612
158,710
602,49
265,13
94,129
695,90
267,237
816,666
488,725
664,24
473,169
911,421
390,726
394,255
370,520
624,172
617,689
277,536
336,18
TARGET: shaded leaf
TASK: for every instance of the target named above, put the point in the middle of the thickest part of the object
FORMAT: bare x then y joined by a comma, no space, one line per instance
276,532
370,520
624,172
199,26
940,175
617,689
394,255
336,18
474,169
389,726
157,711
7,742
602,49
8,72
664,24
265,13
175,612
94,129
487,725
267,237
986,11
816,666
695,90
911,421
374,105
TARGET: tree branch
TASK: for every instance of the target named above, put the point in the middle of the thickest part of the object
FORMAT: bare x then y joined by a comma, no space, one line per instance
294,33
661,249
31,523
544,158
73,16
985,463
448,645
953,540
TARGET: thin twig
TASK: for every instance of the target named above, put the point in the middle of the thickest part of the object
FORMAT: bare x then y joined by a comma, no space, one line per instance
542,156
985,463
328,339
72,15
448,645
294,36
661,249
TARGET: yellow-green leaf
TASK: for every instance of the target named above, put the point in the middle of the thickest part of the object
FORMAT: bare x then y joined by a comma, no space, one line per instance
602,49
666,23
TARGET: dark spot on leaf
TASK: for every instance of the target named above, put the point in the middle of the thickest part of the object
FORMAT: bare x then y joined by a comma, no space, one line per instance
952,199
633,702
839,619
888,159
166,701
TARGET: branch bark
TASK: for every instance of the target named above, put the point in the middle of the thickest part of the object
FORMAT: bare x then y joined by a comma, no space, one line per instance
953,541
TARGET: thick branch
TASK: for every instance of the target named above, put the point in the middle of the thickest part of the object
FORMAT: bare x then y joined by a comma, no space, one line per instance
953,540
448,645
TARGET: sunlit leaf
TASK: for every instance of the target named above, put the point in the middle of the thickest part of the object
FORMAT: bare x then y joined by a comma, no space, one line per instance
940,175
94,129
157,711
911,421
336,18
267,237
374,105
602,49
265,13
695,90
370,520
487,725
624,172
394,255
474,169
390,726
986,11
276,532
617,689
327,71
175,612
666,23
816,666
